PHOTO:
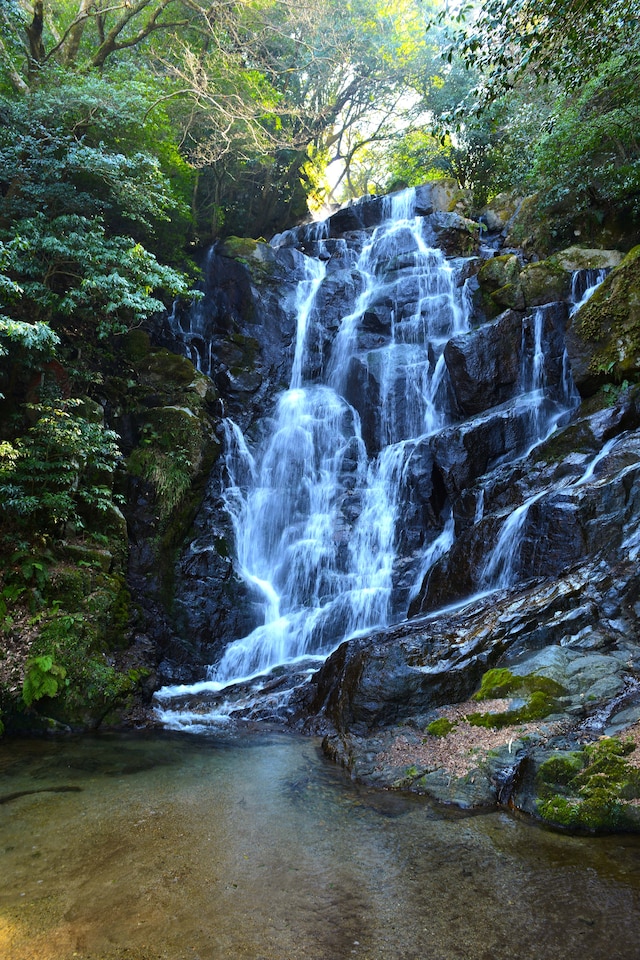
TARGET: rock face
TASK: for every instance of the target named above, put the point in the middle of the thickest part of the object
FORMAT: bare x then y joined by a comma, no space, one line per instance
512,515
602,339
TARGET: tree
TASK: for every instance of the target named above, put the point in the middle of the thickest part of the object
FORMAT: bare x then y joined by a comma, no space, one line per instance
77,210
552,40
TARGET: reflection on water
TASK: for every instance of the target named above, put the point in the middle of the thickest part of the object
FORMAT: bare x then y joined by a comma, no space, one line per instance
172,847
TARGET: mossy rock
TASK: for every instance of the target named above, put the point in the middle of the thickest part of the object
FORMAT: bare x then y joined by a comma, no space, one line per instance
177,445
538,695
587,258
510,296
447,195
545,282
168,368
136,345
499,211
593,790
498,271
258,255
603,339
500,682
499,280
558,771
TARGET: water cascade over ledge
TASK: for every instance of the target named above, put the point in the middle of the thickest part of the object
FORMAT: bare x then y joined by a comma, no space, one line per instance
340,502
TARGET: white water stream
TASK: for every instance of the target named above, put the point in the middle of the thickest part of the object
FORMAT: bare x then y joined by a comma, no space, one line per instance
315,515
322,578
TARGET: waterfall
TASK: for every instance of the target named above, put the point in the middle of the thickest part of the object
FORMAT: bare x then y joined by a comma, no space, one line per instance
584,284
501,566
316,491
314,512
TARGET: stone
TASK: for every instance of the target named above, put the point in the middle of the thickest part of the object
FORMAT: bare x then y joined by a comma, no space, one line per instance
483,365
499,211
455,235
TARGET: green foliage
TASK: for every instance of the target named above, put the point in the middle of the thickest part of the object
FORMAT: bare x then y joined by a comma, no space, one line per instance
70,667
53,473
85,189
43,678
589,162
561,40
35,339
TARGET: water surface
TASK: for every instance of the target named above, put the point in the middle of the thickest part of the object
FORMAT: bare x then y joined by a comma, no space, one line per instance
167,847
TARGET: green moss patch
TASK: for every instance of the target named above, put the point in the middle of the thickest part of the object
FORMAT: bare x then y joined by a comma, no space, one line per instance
539,693
591,789
440,727
500,682
610,322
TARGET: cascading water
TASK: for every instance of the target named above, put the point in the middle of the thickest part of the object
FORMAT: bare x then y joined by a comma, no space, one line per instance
316,504
314,511
315,516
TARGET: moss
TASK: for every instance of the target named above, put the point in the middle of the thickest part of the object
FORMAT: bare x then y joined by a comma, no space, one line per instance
596,797
499,284
238,248
440,727
576,436
559,770
170,368
545,282
136,345
541,695
171,453
498,271
257,255
500,681
610,322
511,296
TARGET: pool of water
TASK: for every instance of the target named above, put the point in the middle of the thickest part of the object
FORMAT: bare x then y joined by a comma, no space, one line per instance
171,847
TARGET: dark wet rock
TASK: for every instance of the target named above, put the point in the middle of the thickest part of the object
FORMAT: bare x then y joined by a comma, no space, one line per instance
455,235
483,365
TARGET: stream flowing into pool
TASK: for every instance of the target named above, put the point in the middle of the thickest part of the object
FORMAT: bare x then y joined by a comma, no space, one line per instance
168,847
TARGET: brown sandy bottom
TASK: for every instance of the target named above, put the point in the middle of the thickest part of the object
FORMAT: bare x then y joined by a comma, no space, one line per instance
172,847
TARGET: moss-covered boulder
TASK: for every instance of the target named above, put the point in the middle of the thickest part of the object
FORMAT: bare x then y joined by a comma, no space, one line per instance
545,282
603,339
499,280
258,255
595,789
587,258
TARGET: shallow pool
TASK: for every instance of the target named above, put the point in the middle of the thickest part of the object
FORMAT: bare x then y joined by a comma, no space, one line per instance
171,846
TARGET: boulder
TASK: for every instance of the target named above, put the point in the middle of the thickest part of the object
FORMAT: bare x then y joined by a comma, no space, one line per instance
455,235
499,211
442,196
499,283
483,366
